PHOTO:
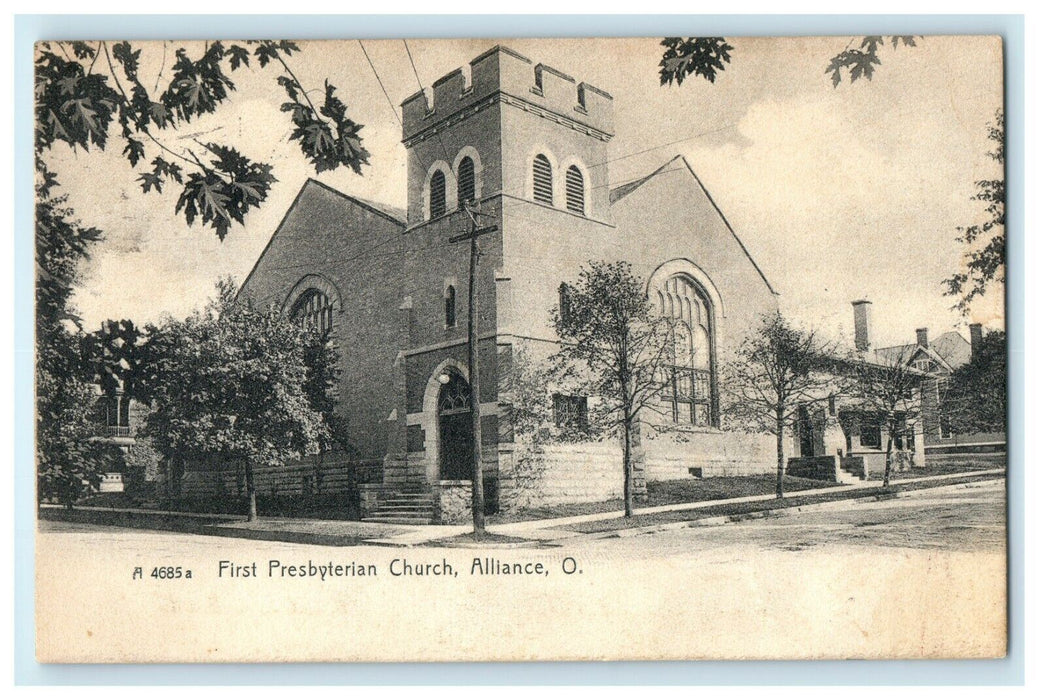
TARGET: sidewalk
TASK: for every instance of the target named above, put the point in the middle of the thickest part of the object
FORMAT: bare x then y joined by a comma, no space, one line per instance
351,533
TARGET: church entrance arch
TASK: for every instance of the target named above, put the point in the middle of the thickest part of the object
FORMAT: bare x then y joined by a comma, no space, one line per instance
455,427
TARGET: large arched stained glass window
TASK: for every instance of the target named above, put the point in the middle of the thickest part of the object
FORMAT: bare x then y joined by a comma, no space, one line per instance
690,392
313,310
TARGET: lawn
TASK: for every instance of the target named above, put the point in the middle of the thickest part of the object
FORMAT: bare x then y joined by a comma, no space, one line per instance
742,509
956,466
663,493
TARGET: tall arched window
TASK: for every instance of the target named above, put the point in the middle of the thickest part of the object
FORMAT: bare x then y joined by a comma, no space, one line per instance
437,195
691,392
313,310
575,190
450,306
542,180
466,181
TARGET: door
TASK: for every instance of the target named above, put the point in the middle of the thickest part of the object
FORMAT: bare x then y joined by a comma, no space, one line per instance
455,430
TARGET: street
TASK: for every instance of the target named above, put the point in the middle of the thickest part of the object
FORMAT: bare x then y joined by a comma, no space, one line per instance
923,575
971,518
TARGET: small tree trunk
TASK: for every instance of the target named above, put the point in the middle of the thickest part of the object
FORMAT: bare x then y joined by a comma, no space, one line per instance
780,454
889,459
252,501
628,468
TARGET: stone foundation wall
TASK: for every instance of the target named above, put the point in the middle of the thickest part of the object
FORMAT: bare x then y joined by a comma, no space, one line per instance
453,502
715,453
821,468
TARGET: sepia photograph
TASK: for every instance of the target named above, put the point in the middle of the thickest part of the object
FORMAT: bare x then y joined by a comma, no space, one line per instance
524,349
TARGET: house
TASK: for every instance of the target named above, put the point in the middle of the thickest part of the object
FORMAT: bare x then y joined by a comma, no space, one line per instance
939,358
527,144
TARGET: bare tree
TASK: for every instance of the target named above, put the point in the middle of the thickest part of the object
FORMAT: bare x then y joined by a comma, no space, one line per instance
617,350
777,370
890,391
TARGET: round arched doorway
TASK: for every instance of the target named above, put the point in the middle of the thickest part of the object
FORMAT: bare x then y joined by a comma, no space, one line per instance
455,427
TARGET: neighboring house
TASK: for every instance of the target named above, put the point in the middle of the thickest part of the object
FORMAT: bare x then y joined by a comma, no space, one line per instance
939,358
119,419
527,144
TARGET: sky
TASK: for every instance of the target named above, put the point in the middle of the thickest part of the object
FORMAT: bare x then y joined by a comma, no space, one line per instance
839,193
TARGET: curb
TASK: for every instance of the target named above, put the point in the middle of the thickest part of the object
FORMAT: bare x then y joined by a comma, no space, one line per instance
714,520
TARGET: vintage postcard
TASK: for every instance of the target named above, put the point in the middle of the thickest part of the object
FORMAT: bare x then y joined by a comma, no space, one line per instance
527,349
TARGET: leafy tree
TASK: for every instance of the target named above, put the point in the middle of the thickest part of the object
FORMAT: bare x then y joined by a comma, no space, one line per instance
69,460
987,264
890,393
777,370
616,350
685,56
975,398
708,56
230,381
88,93
115,355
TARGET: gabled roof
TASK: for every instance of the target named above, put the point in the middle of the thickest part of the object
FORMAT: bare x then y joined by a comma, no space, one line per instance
392,214
619,193
953,347
891,354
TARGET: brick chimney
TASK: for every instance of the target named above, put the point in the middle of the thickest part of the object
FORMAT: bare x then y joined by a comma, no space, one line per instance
862,334
976,336
921,337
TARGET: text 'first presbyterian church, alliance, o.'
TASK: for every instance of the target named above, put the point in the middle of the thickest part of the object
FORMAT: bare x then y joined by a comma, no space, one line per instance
527,144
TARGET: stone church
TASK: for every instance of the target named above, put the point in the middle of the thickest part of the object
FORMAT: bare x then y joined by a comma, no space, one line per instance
527,144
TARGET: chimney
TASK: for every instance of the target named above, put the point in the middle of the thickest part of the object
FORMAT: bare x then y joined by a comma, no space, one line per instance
976,335
921,337
862,335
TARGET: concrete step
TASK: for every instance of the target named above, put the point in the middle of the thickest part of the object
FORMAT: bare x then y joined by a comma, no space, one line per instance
397,520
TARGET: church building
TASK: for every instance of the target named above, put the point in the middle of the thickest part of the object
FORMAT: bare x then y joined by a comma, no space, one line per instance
526,145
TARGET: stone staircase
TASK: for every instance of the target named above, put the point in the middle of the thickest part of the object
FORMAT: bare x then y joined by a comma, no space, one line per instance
406,506
847,474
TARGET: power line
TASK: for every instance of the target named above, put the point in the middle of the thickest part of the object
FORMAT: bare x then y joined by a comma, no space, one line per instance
381,84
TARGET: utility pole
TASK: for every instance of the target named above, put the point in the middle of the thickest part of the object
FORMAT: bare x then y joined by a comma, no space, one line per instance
472,235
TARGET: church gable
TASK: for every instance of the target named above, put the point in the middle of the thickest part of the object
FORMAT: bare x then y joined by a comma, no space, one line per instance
670,214
324,232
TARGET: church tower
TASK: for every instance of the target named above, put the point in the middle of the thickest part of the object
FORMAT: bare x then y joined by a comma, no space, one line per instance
505,126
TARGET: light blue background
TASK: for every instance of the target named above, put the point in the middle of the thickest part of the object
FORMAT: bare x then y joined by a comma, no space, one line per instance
29,28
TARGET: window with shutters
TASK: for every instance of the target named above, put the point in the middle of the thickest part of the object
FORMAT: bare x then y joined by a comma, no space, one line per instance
542,180
466,181
575,190
437,195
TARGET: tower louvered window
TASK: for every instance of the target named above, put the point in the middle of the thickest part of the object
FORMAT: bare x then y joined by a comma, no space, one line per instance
437,195
542,180
466,181
575,190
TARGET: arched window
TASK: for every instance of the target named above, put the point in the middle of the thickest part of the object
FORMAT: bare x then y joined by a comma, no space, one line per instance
691,393
450,308
542,180
437,195
313,310
466,181
575,190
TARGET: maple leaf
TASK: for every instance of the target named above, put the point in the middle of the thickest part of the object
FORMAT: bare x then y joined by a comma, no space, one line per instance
238,56
134,151
149,181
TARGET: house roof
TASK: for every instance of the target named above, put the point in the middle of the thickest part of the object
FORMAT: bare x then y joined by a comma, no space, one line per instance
891,354
622,191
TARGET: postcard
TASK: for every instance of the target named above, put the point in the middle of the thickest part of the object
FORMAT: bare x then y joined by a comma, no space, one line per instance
526,349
